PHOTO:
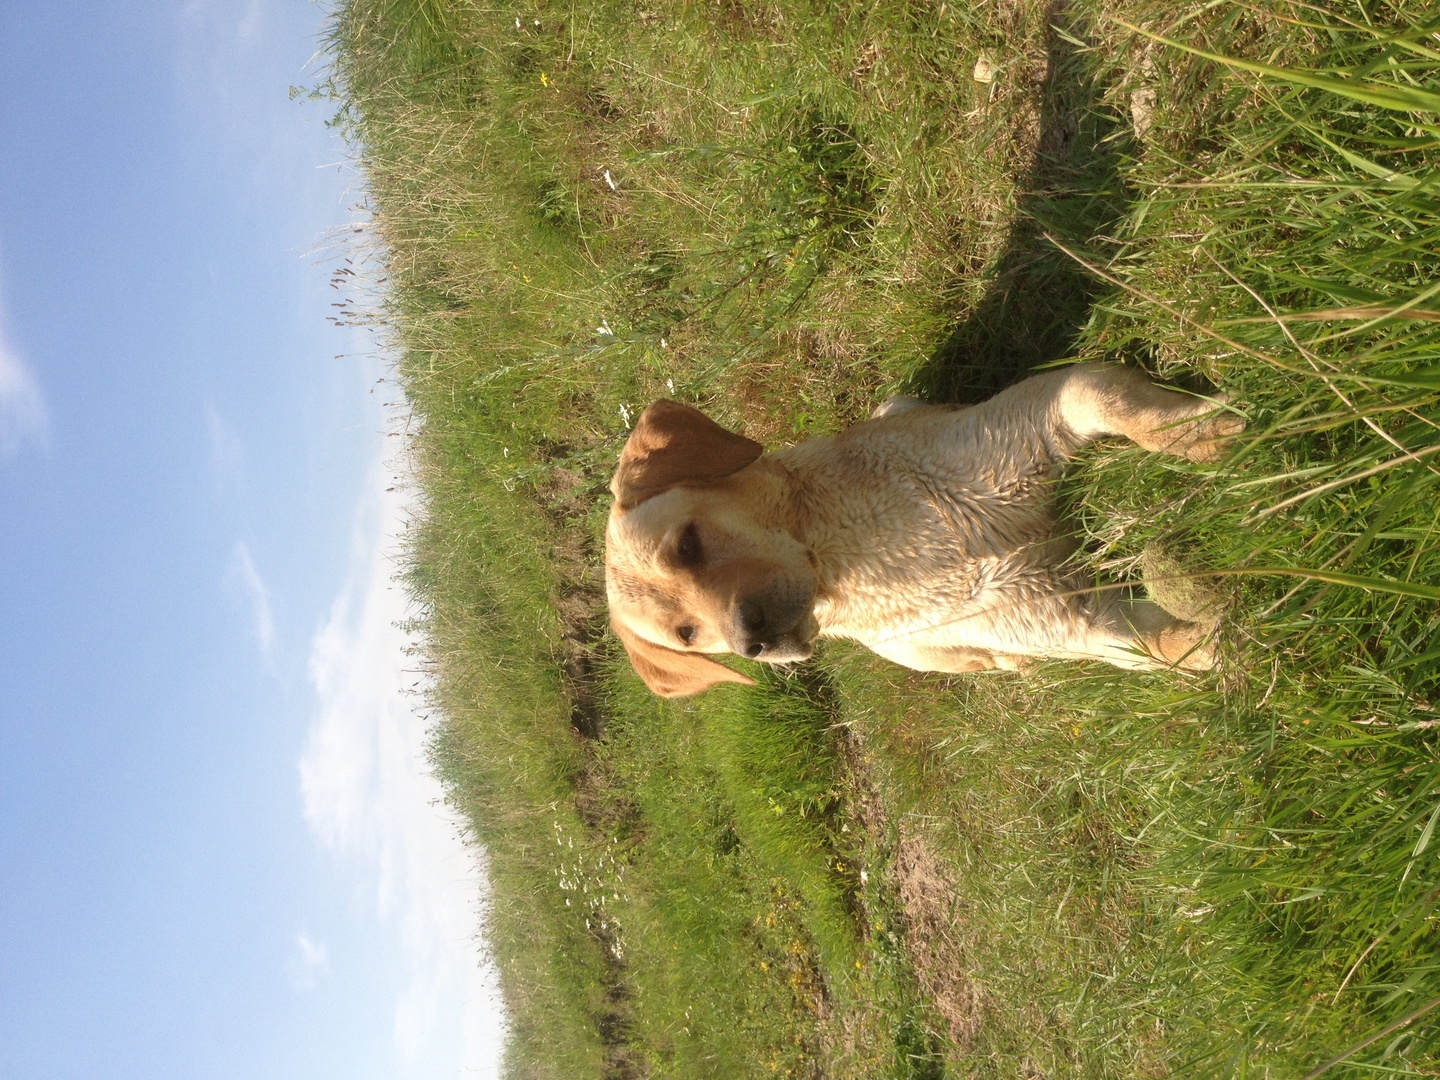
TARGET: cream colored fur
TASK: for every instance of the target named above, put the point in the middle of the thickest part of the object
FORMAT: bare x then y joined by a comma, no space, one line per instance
926,534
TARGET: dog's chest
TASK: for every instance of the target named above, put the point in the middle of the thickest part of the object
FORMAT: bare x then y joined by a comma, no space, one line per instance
917,528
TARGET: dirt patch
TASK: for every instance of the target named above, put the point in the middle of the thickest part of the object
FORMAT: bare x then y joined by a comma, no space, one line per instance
933,914
566,498
930,904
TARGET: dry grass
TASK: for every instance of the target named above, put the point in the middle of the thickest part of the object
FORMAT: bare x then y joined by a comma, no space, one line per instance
1078,873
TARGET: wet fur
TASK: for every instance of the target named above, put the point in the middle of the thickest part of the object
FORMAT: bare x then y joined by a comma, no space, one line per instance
926,534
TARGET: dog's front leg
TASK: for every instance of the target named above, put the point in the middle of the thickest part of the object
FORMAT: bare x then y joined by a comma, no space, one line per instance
1094,400
1076,405
1139,634
947,658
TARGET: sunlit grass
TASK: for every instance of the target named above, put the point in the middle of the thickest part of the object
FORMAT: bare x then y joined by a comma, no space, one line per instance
783,213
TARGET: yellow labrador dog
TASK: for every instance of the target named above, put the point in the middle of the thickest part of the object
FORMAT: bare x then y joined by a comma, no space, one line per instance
926,533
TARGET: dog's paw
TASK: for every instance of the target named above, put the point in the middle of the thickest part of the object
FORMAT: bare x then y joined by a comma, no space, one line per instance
898,404
1022,664
1208,438
1188,646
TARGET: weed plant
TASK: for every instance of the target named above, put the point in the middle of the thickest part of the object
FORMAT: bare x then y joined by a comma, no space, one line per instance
783,212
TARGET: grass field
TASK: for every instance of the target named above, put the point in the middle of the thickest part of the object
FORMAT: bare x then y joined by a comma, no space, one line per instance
784,212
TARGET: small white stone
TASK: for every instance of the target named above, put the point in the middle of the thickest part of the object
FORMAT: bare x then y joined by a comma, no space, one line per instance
1142,110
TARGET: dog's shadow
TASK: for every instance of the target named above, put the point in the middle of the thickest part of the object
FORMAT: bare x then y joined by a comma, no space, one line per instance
1038,298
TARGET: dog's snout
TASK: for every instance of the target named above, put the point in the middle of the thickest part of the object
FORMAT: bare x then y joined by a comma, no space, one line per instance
765,627
752,624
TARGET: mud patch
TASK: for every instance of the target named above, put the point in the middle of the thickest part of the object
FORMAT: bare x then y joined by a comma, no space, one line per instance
933,915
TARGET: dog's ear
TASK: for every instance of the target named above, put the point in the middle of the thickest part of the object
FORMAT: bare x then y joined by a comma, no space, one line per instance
676,444
672,673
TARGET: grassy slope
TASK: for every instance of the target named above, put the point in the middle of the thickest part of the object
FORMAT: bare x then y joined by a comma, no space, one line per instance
856,870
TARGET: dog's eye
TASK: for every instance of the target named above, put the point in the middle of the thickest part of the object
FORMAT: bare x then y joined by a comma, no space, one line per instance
687,548
686,634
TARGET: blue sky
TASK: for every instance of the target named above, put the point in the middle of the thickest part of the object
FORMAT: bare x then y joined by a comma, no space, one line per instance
220,853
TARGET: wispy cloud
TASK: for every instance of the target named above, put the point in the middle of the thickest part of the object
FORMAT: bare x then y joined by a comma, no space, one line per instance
233,64
309,964
23,417
225,19
369,795
227,456
248,592
249,24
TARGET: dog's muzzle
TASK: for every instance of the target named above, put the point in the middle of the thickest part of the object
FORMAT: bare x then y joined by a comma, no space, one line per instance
776,632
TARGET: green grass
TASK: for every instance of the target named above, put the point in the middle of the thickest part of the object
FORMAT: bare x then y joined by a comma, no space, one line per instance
784,212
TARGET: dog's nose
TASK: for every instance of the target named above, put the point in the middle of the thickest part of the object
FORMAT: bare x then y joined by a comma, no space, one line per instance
751,622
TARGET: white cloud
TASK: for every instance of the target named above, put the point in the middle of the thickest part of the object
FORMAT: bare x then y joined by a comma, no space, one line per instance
369,795
23,417
227,456
248,592
249,24
310,963
236,62
226,20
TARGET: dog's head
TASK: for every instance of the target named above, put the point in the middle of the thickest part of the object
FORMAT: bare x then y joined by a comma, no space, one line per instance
697,558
